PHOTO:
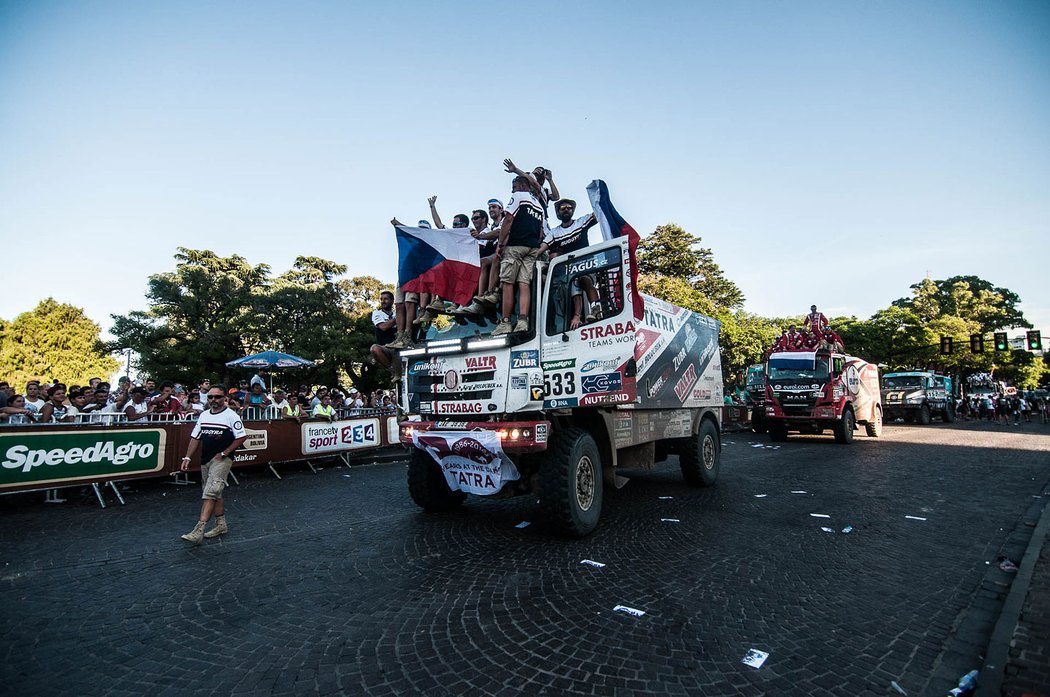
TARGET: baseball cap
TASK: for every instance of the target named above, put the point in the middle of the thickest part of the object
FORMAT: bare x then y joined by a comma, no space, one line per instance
495,202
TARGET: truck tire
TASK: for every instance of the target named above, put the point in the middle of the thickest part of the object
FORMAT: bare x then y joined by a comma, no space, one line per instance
874,427
570,483
778,432
699,456
843,428
924,415
427,486
949,414
758,420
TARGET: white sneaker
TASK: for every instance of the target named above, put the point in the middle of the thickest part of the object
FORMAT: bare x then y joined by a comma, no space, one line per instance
502,328
521,326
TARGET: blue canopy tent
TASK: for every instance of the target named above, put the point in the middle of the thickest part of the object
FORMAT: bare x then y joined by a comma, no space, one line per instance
271,360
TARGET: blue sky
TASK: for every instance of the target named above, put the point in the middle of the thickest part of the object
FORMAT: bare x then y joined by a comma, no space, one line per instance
828,152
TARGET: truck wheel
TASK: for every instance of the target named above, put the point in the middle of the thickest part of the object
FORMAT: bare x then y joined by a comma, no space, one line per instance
874,427
758,420
843,428
570,482
699,456
924,415
949,414
778,432
427,485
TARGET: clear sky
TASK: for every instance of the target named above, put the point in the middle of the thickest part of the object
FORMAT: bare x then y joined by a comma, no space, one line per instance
828,152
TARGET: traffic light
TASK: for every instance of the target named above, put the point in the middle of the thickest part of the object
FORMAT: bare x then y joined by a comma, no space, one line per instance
946,345
977,343
1035,342
1001,344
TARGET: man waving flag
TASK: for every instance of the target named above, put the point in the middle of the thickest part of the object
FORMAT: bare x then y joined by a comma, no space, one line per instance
444,262
612,226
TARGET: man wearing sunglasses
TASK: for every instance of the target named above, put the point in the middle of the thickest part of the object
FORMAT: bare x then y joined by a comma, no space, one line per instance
218,433
571,236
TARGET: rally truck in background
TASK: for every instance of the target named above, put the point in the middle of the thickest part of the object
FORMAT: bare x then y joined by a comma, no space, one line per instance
556,412
918,396
810,391
755,383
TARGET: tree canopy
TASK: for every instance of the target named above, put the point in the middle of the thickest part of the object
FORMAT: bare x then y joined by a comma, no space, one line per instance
213,309
53,342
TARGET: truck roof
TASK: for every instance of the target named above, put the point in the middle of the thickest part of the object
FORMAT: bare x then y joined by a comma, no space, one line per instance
911,373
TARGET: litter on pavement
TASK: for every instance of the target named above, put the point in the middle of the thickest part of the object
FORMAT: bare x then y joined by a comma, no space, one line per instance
760,496
914,517
666,498
1008,566
670,520
798,491
629,610
755,658
523,524
828,529
898,688
820,515
591,562
847,530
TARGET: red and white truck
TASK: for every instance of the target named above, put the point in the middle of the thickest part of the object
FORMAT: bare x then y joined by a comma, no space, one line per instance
810,391
557,411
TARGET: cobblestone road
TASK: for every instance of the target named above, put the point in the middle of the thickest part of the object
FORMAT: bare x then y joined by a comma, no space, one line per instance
336,583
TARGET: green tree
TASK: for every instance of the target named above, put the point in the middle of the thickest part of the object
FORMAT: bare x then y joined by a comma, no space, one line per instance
969,297
671,252
53,341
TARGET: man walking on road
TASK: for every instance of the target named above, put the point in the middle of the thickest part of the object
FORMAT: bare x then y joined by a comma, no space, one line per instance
218,433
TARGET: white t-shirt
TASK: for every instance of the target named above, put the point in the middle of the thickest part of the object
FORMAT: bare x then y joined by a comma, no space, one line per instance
379,316
280,405
572,238
36,406
136,408
352,403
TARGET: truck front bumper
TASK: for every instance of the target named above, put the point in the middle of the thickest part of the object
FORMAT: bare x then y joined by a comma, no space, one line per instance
514,436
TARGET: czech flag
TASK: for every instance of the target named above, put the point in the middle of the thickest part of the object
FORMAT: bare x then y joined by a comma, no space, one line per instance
446,262
613,226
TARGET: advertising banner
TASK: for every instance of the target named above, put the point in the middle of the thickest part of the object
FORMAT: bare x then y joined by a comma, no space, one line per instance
471,461
65,456
340,436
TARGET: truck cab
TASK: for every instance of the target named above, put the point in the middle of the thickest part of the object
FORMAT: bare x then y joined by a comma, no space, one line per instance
917,396
810,391
555,412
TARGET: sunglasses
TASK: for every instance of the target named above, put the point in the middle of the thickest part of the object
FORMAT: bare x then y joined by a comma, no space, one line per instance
476,217
216,396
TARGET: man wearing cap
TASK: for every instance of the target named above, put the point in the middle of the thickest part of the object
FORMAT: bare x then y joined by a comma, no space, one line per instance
280,401
353,399
571,236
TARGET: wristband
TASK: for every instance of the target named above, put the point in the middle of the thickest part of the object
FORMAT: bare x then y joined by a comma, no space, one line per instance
187,458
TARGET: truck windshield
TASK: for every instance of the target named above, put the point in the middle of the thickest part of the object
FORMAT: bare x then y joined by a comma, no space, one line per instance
902,381
781,370
466,327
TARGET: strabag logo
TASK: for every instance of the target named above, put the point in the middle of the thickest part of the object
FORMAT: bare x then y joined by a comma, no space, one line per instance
600,332
51,456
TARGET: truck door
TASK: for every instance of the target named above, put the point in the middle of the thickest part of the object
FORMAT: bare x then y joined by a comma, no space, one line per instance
587,329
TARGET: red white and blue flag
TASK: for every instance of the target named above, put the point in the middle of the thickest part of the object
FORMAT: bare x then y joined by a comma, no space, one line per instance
613,226
445,262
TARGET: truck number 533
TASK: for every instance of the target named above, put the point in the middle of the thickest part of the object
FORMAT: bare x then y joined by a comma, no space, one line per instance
557,384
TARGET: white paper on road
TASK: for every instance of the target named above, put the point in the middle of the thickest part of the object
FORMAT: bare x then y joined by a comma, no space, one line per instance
666,498
670,520
523,524
755,658
828,529
914,517
798,491
820,515
591,562
760,496
629,610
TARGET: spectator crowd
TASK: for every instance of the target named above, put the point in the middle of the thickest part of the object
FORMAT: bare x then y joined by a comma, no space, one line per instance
99,402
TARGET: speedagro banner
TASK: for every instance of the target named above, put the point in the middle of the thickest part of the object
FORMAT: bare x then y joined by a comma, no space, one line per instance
65,456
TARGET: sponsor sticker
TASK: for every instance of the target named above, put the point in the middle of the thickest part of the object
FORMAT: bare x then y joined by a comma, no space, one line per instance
256,440
563,403
559,365
457,407
541,433
519,382
609,364
524,359
606,382
536,393
481,362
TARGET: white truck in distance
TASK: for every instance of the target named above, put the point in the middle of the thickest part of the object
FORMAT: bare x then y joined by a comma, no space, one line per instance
556,411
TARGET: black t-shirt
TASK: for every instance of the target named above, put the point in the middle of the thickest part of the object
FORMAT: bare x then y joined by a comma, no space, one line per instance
217,431
526,230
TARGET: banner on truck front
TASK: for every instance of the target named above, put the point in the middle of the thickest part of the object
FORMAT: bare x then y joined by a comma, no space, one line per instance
65,456
471,461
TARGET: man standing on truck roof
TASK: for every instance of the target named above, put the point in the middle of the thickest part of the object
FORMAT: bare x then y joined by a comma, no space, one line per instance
815,321
520,244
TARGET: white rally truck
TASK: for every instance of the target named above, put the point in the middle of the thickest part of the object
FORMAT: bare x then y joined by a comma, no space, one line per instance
555,412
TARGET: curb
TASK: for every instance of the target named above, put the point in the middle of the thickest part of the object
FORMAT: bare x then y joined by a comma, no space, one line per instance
994,669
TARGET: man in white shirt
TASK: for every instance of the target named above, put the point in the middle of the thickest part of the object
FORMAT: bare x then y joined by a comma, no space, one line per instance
353,400
280,400
33,401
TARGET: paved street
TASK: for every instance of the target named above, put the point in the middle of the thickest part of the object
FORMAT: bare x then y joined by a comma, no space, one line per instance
336,583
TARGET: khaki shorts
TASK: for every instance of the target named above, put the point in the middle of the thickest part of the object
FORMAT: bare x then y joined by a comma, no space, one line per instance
517,264
401,296
213,477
